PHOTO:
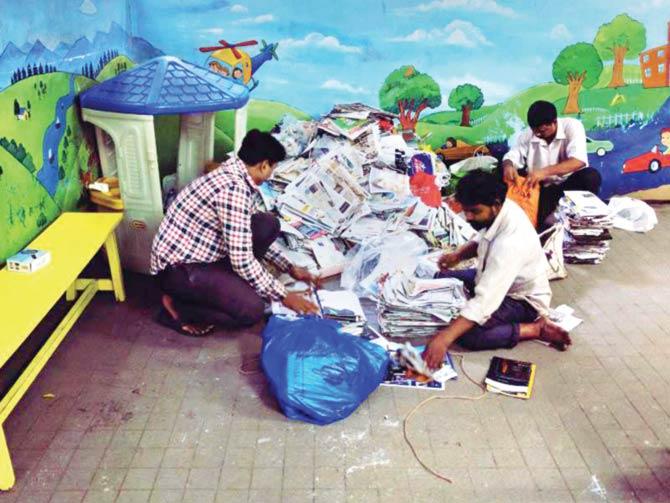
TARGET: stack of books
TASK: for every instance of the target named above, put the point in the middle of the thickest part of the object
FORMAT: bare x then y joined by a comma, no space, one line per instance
510,377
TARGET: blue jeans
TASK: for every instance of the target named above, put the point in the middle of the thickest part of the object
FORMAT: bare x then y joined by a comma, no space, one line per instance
502,328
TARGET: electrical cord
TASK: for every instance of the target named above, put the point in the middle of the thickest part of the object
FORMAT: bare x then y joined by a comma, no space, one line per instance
406,421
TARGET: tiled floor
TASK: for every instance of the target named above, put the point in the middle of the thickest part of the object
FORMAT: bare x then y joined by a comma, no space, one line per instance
143,414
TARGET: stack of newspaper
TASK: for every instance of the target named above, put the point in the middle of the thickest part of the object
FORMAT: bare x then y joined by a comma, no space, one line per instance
587,222
415,307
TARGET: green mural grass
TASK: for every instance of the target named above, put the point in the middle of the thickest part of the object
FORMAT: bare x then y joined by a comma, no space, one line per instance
262,114
25,207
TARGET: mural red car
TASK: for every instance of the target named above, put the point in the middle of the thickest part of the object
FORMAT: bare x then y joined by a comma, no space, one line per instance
649,161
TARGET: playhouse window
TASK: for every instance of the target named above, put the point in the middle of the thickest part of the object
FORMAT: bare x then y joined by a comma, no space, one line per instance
661,68
645,58
647,72
661,53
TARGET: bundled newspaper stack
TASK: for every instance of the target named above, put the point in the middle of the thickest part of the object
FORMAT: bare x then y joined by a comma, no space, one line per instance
587,223
414,307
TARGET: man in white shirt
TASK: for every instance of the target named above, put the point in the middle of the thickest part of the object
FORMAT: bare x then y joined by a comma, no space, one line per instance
553,153
511,290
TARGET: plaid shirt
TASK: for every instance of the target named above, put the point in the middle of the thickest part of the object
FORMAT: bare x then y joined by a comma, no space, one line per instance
211,219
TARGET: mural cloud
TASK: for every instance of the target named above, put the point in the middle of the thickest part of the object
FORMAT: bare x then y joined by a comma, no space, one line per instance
238,8
494,91
320,41
336,85
211,31
458,32
560,32
262,19
471,5
88,7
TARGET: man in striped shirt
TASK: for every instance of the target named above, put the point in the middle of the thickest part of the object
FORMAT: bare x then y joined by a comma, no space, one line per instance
208,250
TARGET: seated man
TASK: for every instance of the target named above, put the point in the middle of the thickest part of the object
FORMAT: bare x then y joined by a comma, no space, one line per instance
208,248
510,285
553,151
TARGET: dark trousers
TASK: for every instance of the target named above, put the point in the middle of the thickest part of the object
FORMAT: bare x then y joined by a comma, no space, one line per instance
502,328
585,179
212,292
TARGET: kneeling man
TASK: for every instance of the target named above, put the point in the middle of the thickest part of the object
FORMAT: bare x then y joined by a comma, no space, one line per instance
511,290
208,250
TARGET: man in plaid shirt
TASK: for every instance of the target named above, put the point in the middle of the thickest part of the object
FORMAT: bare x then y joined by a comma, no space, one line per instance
208,248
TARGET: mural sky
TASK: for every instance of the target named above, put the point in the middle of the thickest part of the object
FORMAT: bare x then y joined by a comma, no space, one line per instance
342,51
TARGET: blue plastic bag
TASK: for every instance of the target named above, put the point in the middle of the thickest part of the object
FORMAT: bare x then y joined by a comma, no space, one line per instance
318,374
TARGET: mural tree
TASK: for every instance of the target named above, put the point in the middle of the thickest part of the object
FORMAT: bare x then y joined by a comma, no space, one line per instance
466,98
407,92
620,39
577,66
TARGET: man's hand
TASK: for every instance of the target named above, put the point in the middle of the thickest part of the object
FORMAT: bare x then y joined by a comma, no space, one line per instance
448,260
302,274
534,178
296,302
510,174
435,351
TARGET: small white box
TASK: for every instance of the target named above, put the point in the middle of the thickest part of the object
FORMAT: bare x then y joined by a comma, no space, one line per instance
28,260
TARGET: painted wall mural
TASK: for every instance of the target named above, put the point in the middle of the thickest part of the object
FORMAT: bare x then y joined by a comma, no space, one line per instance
49,52
460,70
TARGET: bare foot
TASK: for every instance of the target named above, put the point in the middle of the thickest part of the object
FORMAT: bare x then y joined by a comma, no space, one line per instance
554,335
196,329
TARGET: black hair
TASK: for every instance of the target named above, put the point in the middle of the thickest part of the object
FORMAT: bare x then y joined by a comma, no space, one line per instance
258,147
479,187
540,113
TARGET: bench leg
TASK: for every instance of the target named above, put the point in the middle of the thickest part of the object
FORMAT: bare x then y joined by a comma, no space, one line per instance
71,292
115,267
6,470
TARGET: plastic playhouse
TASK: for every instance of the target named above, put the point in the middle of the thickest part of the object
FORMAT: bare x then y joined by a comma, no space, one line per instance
123,109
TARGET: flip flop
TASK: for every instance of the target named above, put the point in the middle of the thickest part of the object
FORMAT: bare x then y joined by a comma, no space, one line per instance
164,318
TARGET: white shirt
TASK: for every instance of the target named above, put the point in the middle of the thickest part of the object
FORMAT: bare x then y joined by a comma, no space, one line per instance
510,262
534,153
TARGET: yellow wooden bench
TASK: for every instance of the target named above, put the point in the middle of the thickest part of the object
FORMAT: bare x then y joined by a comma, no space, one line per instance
25,299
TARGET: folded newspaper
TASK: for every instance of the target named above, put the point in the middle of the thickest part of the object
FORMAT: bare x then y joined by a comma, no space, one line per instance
416,307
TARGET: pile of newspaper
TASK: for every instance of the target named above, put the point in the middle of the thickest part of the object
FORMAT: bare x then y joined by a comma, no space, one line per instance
415,307
587,223
347,179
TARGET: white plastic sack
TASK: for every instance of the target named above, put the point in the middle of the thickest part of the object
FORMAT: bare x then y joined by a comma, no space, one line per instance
483,162
379,256
632,214
553,250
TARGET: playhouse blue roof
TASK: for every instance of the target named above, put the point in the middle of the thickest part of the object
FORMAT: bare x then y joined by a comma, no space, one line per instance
165,86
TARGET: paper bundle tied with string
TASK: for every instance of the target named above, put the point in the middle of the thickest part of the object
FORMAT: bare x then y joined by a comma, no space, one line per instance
525,197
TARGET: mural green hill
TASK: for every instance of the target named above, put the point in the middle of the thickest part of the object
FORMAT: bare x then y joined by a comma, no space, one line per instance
114,67
25,208
42,91
262,114
601,107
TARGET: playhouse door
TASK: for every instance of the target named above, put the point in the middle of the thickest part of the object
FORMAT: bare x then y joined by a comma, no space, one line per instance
196,146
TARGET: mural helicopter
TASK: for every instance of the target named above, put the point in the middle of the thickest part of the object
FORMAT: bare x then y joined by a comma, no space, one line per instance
232,62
